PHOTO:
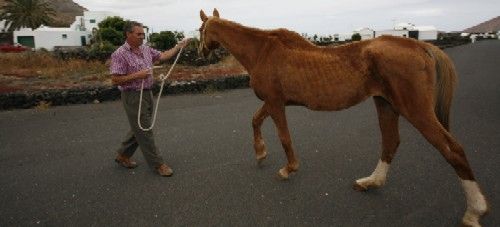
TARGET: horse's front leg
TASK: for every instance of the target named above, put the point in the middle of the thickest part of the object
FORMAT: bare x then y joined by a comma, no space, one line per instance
277,113
259,145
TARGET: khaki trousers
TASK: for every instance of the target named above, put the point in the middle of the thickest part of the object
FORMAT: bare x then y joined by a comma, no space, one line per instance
136,137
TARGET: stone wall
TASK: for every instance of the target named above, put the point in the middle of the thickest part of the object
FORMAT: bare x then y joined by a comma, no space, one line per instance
104,93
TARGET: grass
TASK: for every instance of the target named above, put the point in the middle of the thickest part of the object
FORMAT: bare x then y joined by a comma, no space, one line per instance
44,65
43,105
40,70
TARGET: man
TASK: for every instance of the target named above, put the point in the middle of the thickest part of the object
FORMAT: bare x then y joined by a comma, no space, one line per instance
130,65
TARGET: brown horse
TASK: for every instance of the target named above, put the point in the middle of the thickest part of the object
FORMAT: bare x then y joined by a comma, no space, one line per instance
406,77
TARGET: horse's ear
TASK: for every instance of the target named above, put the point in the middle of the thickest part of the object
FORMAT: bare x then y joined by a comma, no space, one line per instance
203,16
216,13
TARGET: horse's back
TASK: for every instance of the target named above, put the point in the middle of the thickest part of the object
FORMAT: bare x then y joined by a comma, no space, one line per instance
389,53
291,39
407,69
322,78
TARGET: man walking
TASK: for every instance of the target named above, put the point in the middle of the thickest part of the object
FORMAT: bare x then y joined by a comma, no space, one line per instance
130,65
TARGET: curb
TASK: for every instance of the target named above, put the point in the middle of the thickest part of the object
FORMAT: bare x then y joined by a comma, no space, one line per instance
60,97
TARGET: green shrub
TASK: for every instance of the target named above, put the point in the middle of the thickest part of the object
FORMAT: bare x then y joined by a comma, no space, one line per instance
356,37
101,51
112,36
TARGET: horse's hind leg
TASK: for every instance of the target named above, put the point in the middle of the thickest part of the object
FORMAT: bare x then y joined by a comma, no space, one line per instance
277,113
259,145
388,121
427,123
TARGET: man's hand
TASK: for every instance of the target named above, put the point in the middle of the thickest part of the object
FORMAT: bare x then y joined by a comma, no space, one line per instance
121,79
174,50
143,74
183,43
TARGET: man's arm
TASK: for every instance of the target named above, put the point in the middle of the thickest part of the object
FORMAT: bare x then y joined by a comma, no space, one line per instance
121,79
173,51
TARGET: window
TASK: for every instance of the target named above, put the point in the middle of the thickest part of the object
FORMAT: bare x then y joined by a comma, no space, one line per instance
64,36
92,21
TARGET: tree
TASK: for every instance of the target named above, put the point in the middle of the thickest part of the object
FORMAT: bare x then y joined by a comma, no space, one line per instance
112,36
111,30
116,23
356,37
179,35
165,39
26,13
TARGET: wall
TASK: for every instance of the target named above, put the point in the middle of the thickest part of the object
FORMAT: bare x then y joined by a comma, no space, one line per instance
401,33
427,35
98,16
49,39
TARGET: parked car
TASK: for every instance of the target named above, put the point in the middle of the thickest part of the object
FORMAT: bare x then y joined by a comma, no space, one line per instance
15,48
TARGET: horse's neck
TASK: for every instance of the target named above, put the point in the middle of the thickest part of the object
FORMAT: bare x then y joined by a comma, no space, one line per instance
242,42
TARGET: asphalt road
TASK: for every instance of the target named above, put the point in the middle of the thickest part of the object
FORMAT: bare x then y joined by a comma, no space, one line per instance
57,169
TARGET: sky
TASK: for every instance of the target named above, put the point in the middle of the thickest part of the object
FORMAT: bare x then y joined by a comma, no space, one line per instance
322,17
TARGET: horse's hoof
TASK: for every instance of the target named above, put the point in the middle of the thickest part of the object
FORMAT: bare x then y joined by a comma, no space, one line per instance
261,158
471,218
470,224
283,174
359,187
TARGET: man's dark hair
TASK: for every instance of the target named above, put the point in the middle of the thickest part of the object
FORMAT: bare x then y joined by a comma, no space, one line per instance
129,26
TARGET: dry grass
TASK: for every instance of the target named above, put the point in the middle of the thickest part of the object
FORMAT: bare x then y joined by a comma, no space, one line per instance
42,64
31,71
43,105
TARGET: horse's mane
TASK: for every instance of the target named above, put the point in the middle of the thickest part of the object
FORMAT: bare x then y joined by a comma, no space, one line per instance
291,39
288,38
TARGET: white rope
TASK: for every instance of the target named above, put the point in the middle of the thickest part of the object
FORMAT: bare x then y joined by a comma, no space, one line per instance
163,78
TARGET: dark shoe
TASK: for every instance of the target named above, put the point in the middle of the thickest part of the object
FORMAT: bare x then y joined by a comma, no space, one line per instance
164,170
125,161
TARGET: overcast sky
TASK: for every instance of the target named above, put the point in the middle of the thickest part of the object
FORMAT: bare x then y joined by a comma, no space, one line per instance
322,17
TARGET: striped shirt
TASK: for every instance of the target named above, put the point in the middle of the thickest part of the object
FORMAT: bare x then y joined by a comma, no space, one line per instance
124,61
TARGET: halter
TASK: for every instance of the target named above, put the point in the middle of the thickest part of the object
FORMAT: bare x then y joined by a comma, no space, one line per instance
163,78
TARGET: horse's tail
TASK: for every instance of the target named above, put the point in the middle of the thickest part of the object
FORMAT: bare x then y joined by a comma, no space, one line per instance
446,80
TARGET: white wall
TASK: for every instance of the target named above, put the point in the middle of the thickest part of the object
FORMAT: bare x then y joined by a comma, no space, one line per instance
427,35
366,34
50,39
98,16
400,33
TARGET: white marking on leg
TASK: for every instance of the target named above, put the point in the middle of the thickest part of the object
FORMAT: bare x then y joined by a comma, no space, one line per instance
377,178
476,203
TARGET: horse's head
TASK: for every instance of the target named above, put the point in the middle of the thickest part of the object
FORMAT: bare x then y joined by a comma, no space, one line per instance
207,43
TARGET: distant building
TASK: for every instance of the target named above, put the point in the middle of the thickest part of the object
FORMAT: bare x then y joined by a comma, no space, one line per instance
365,33
78,34
341,37
427,32
411,31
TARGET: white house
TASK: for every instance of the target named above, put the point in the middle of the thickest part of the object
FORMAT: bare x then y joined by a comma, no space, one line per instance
341,37
427,32
411,31
400,33
78,34
365,33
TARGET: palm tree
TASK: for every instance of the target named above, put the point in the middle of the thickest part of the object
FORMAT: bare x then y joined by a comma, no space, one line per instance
26,13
